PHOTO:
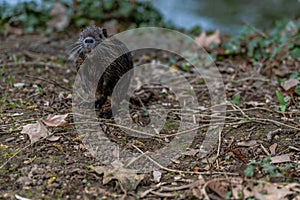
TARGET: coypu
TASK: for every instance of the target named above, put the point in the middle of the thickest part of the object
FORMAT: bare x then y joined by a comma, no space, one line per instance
110,53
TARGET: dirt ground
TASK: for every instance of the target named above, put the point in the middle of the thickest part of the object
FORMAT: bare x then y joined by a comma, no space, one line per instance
36,80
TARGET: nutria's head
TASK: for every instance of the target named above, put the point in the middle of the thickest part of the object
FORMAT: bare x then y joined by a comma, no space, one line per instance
90,37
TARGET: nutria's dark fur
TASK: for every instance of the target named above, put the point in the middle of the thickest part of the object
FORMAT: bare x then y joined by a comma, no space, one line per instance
96,51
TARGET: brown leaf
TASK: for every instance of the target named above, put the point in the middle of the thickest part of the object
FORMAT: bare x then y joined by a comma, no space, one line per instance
219,187
273,192
290,84
249,143
272,149
35,131
127,178
238,154
57,121
281,159
53,138
205,41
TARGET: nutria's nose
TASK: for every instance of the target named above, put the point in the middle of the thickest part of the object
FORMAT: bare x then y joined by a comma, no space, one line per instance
89,40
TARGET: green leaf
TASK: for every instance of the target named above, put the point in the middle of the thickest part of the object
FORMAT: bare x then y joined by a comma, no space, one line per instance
297,89
228,195
281,101
269,169
249,171
236,100
294,75
295,53
186,67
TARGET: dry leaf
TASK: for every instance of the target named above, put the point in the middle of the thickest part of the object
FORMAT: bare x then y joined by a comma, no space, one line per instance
53,138
281,159
290,84
249,143
205,41
273,192
57,121
35,131
196,169
219,187
272,149
127,178
156,176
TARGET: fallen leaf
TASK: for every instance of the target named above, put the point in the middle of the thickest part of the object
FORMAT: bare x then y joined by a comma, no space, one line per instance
196,169
53,138
290,84
156,176
249,143
35,131
57,121
51,180
127,178
272,149
273,192
281,159
219,187
204,40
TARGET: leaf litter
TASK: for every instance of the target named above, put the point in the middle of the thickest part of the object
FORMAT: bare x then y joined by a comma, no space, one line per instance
258,121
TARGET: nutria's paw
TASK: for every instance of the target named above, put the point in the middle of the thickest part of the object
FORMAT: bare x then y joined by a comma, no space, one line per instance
107,114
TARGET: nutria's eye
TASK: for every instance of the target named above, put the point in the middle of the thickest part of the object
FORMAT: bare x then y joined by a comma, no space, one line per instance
104,32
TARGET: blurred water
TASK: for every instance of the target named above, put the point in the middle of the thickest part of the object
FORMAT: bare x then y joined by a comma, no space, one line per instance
226,15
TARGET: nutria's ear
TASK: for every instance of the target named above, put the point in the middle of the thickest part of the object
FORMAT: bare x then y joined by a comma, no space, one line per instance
104,32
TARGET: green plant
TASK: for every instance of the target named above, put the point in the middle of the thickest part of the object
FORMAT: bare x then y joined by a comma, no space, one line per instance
31,16
236,100
282,100
28,15
282,40
264,166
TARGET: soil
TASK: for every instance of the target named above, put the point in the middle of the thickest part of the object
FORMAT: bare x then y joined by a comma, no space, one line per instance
37,79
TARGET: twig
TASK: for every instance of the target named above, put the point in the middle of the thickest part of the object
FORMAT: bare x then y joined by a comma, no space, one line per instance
182,187
49,81
163,194
49,64
219,146
251,78
294,148
10,158
264,149
177,171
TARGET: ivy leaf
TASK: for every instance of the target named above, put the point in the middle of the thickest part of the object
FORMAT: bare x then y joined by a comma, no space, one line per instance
295,53
249,171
